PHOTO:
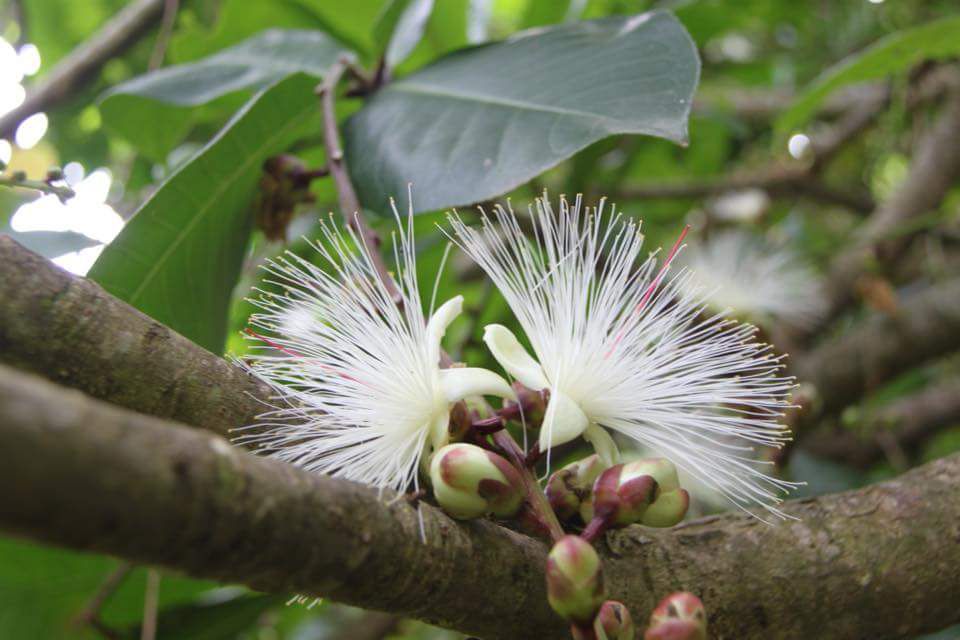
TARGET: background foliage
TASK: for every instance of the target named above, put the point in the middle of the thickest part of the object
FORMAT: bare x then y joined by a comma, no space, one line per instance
473,114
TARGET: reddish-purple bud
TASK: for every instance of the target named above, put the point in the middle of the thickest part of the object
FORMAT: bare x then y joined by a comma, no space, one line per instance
470,482
569,486
574,580
614,622
620,496
679,616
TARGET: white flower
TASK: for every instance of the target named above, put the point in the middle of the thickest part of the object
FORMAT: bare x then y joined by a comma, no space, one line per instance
359,390
619,352
756,280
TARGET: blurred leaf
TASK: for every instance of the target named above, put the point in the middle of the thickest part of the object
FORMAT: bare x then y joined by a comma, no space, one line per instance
153,110
400,27
821,476
895,53
213,621
51,244
481,121
178,258
43,589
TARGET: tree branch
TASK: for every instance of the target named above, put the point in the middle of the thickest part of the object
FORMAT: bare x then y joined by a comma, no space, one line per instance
906,424
95,477
115,37
934,170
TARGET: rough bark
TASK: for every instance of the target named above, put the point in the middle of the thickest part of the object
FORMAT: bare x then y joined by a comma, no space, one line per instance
75,333
882,562
898,430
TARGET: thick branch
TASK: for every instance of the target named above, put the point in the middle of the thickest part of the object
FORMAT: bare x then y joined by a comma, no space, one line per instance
113,39
902,427
72,331
91,476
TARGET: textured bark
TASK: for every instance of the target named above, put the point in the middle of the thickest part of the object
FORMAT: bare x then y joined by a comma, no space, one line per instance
882,562
898,430
72,331
847,367
90,476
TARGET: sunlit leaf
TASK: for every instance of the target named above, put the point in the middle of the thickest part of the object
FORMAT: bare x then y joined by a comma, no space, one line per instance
178,259
401,26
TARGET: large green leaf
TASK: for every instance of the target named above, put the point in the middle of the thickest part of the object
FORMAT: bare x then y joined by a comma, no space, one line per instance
895,53
178,259
154,110
481,121
401,26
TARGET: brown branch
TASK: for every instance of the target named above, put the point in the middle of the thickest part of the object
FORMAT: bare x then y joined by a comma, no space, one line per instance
115,37
15,181
906,424
90,615
95,477
349,203
844,369
170,9
934,170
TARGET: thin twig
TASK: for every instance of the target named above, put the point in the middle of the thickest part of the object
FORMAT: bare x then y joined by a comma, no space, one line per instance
90,614
170,9
151,597
62,192
349,203
75,70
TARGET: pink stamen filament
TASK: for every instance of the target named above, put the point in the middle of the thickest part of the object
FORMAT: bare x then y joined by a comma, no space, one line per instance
294,354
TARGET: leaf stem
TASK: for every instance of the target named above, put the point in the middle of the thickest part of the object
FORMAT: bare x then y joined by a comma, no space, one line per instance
347,196
16,180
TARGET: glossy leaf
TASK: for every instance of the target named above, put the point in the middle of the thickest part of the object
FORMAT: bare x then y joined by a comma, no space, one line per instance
401,26
154,110
895,53
179,258
482,121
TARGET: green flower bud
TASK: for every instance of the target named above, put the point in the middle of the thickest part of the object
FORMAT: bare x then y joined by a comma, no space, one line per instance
614,622
679,616
621,495
470,482
671,501
574,579
569,486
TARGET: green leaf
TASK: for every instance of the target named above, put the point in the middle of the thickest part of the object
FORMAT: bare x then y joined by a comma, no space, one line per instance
154,110
484,120
213,621
401,26
51,244
179,257
43,589
895,53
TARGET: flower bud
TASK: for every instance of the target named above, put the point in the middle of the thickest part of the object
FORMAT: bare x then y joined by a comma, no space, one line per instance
679,616
569,486
470,482
574,579
614,622
621,495
671,501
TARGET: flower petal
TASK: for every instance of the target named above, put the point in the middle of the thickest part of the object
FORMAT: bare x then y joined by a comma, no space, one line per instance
513,357
603,444
439,430
461,382
439,322
563,421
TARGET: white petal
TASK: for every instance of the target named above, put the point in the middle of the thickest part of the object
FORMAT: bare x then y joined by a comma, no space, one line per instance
513,357
603,444
439,322
461,382
440,430
563,421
